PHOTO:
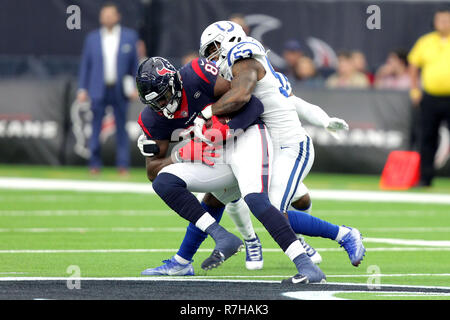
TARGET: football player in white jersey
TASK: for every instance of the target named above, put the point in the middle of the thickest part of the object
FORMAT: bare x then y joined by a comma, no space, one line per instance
301,200
244,62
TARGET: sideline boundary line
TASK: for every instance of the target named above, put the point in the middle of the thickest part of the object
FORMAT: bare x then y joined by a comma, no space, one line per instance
267,250
146,188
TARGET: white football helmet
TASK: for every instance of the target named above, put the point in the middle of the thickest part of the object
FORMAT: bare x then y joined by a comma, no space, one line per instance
229,41
214,34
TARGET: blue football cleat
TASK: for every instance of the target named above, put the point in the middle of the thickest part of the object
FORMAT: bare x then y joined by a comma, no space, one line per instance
170,267
352,243
253,254
315,257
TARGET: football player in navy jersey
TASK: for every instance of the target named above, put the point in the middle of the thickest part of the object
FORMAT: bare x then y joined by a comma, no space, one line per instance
174,100
172,107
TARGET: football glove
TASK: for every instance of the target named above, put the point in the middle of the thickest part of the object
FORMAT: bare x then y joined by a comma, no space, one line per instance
197,151
217,132
335,125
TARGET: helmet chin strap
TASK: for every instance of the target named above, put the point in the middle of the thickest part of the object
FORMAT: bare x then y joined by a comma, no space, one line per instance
221,65
171,107
167,114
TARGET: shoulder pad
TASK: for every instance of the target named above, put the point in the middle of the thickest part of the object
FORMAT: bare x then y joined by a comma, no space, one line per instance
243,50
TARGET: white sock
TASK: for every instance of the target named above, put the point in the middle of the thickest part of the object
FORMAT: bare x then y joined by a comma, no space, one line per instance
294,250
205,221
180,259
341,233
240,214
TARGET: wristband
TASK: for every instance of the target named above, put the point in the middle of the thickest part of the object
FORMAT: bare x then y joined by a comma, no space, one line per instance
207,112
151,148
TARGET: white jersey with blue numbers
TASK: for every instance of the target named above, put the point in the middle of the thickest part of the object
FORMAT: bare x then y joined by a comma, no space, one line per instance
280,115
285,83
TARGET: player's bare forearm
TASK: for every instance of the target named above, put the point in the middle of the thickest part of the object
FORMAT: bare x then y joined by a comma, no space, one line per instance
155,165
244,81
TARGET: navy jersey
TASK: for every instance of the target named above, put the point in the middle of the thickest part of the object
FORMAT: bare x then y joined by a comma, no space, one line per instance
199,78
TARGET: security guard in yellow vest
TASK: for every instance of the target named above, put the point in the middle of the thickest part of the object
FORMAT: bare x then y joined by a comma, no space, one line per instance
431,55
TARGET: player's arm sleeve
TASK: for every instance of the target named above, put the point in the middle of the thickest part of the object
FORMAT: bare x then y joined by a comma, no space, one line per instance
247,115
310,112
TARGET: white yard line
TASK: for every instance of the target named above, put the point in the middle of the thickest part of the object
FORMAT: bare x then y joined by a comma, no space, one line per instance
410,242
74,185
84,230
409,229
380,196
183,229
146,188
150,212
265,250
51,213
393,241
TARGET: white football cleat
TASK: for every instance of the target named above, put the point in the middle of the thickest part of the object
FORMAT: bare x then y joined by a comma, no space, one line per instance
253,254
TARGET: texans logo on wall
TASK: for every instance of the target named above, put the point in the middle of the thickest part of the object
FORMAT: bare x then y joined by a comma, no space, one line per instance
81,118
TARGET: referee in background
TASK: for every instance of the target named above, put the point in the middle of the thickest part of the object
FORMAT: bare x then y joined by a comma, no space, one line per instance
431,55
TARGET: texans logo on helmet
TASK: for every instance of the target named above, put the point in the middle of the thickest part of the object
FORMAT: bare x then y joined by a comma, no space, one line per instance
163,71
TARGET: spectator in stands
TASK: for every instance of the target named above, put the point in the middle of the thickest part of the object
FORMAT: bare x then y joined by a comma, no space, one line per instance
306,73
292,52
189,57
240,20
431,56
360,62
347,76
393,74
106,77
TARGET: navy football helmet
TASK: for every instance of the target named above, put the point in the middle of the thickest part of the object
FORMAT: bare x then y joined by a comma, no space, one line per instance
159,85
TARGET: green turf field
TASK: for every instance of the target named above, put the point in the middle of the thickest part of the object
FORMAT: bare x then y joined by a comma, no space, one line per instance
119,235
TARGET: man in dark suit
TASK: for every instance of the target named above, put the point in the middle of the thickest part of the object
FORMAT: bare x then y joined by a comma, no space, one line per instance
108,66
